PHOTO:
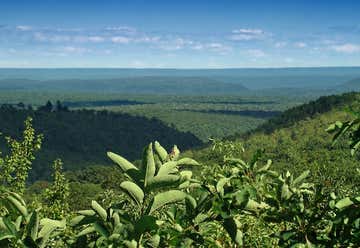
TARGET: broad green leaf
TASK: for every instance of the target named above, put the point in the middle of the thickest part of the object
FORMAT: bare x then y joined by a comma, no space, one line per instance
149,164
131,170
86,212
343,203
162,181
17,205
133,190
187,162
101,229
168,168
165,198
33,226
86,231
49,226
161,152
99,210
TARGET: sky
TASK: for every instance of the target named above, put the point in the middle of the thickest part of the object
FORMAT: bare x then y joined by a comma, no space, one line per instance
179,34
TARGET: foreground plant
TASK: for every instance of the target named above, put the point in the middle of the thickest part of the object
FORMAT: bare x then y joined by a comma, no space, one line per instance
159,182
21,228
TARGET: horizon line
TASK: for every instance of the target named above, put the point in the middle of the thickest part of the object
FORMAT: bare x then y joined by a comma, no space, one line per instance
184,68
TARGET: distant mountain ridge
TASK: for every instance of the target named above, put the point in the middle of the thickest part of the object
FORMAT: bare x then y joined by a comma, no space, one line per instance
131,85
252,78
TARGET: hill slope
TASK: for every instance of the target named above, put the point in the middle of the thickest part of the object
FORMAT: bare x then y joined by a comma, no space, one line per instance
81,138
296,140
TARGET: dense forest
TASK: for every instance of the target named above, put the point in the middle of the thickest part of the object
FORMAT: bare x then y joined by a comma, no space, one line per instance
81,138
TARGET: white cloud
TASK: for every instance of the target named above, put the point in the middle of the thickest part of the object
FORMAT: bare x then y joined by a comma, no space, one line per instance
23,28
71,49
218,47
120,39
122,29
257,53
248,31
247,34
300,44
346,48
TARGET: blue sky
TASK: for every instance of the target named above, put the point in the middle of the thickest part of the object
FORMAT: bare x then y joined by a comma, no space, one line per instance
179,34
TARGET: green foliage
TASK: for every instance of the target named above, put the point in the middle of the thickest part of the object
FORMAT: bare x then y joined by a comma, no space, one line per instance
15,166
56,196
22,228
150,188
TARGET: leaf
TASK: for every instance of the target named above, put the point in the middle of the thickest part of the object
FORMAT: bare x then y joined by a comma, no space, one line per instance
343,203
33,226
99,210
242,198
187,161
48,226
145,224
101,229
162,181
86,212
130,244
160,151
134,191
300,178
131,170
165,198
185,175
149,164
154,241
168,168
231,226
17,205
285,192
220,185
86,231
